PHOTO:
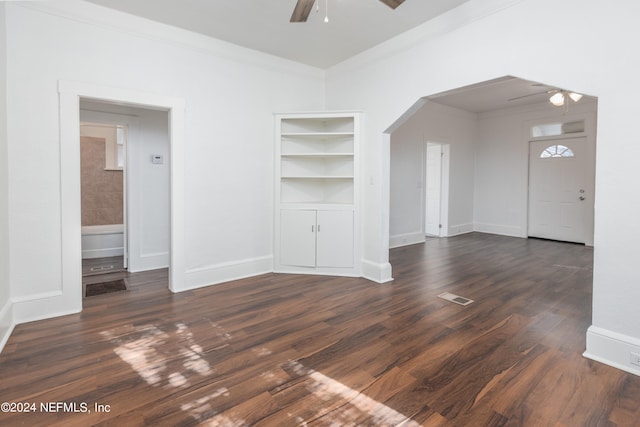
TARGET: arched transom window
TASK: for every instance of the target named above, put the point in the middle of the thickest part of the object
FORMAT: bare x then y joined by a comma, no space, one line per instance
556,151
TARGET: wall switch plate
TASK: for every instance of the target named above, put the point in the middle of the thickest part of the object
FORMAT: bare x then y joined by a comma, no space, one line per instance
157,159
635,359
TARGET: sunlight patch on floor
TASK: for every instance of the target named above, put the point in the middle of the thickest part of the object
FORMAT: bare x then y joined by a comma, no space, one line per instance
140,353
203,405
357,406
141,348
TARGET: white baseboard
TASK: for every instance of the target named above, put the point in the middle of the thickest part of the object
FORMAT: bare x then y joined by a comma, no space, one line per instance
612,348
406,239
6,323
224,272
503,230
45,306
102,253
376,272
457,229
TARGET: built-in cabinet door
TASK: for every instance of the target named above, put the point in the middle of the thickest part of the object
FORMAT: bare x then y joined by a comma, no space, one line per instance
310,238
298,237
335,239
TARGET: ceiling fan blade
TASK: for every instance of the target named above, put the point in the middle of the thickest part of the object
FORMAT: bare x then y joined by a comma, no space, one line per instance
531,94
302,10
392,3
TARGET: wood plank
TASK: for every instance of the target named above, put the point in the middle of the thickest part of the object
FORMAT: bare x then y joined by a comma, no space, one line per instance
278,350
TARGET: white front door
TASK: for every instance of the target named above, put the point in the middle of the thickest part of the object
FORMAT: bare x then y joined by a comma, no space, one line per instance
433,186
558,197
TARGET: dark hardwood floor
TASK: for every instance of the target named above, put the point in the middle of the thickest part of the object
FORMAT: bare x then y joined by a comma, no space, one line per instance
292,350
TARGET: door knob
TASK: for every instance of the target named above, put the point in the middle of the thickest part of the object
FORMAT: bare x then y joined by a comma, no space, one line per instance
581,198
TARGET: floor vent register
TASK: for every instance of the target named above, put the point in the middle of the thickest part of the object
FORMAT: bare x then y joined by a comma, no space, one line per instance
455,298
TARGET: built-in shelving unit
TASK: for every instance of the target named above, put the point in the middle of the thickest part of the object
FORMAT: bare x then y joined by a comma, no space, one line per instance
316,186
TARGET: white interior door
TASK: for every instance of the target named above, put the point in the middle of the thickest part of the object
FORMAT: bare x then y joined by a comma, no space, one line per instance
558,197
433,189
298,237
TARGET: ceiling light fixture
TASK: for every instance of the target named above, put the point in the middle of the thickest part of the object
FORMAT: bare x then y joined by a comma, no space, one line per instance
575,96
559,98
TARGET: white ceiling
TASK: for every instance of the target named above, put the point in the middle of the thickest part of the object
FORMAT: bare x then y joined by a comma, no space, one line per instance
354,25
494,95
505,92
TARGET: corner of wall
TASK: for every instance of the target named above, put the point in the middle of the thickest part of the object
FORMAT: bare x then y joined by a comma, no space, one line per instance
6,306
406,239
458,229
612,348
225,272
6,323
376,272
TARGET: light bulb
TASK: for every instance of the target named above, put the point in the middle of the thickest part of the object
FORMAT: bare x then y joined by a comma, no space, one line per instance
557,99
575,96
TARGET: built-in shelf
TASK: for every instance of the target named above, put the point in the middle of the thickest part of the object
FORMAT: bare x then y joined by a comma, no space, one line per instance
316,177
317,125
317,134
316,193
321,190
316,154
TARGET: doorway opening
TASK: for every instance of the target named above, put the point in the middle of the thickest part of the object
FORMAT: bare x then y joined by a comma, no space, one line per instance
559,195
436,185
489,126
71,94
561,180
129,203
103,186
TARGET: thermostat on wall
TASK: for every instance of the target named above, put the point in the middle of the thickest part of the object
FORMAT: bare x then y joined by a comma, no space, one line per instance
157,159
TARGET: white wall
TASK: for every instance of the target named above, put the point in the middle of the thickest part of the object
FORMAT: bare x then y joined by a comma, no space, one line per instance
5,304
489,166
147,183
436,123
483,40
230,94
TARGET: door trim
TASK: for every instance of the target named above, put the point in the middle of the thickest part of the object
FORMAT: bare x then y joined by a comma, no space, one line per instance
578,234
70,94
444,187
